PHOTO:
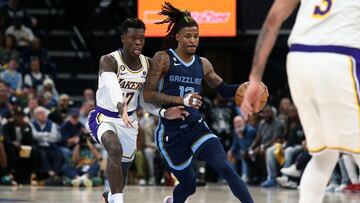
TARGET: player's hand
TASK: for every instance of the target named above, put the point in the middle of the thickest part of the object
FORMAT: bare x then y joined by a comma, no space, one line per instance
251,99
122,109
177,112
193,100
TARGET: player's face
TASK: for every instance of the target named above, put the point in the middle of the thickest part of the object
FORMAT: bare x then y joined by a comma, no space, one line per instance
133,41
188,39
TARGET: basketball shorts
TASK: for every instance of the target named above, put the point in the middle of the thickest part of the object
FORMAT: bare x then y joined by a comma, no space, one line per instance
179,146
324,84
101,120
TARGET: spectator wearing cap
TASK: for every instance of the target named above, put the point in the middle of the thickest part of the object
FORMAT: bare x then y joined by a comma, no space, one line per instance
46,134
60,113
22,154
70,132
49,86
35,78
12,77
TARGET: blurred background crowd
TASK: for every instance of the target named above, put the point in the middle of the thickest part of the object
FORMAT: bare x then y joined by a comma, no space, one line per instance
43,138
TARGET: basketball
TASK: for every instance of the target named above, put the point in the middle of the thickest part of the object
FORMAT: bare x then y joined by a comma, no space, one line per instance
241,91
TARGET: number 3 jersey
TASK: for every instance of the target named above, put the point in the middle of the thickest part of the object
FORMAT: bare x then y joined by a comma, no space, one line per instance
181,79
130,82
327,22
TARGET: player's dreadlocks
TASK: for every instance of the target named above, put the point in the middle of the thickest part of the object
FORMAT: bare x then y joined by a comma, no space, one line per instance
177,19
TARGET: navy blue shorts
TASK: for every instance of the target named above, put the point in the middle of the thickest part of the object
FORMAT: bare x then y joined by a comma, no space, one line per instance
179,146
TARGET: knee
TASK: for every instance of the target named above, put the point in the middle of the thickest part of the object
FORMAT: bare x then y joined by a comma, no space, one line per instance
112,144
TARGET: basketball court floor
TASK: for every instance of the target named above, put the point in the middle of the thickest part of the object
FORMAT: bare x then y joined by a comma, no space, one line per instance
138,194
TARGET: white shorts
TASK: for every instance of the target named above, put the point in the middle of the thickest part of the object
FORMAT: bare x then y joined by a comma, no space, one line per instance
324,87
99,123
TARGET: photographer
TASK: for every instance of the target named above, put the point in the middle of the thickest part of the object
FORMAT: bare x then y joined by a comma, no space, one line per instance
84,164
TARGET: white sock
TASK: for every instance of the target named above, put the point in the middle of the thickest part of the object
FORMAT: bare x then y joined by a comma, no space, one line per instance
317,175
109,197
117,198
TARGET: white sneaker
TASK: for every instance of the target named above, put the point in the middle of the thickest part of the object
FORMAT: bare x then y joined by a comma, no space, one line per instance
341,188
142,182
76,182
331,187
151,181
168,199
291,171
245,178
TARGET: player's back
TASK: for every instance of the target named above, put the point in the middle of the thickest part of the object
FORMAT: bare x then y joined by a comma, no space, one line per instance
327,22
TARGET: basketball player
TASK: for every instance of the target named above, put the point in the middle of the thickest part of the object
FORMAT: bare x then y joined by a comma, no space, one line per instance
323,71
180,73
121,76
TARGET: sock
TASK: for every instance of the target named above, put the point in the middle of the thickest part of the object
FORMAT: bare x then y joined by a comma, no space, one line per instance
316,175
117,198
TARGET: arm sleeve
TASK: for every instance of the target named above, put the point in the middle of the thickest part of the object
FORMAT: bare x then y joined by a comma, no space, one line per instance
151,108
226,90
112,85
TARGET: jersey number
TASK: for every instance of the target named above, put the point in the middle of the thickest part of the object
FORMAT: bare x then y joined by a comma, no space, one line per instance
185,90
128,96
323,9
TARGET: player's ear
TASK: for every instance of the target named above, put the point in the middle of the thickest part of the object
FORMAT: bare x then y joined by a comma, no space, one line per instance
177,37
123,38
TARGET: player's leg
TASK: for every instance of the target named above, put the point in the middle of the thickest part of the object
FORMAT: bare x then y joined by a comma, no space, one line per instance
187,184
213,153
112,145
316,176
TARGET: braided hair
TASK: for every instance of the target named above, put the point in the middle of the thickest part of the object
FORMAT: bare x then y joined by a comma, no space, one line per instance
177,19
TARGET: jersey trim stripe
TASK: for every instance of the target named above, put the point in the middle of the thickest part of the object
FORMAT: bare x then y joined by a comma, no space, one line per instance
183,62
131,71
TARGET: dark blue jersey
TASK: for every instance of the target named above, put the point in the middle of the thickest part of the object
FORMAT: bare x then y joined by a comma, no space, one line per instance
181,79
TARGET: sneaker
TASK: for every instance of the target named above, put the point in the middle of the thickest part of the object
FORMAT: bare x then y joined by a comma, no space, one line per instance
142,182
291,171
331,187
105,196
151,181
352,188
168,199
87,182
76,182
286,183
245,178
341,188
269,183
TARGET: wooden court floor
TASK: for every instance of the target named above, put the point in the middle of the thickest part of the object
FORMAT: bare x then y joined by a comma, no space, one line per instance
138,194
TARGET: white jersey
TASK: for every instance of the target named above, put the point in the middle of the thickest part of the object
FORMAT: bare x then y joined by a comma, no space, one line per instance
327,22
130,82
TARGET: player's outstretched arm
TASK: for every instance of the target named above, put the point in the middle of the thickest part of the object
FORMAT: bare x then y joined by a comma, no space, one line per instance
107,71
159,67
279,12
216,82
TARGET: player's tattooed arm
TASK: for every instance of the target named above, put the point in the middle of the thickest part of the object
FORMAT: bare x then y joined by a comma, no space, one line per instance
279,12
159,66
107,64
211,78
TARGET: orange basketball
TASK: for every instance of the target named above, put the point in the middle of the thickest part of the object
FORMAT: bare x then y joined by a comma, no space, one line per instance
241,91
